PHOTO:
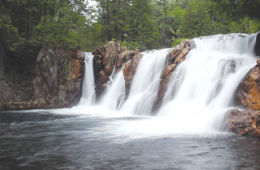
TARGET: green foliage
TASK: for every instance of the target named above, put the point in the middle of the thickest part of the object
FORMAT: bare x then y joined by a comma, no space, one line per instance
245,25
177,41
129,21
130,45
26,25
197,20
61,30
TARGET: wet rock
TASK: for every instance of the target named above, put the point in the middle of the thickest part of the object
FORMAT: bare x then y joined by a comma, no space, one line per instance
248,93
113,49
130,69
124,57
243,122
175,57
112,57
105,59
247,121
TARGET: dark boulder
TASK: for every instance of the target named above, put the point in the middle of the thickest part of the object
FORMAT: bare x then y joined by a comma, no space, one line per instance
257,45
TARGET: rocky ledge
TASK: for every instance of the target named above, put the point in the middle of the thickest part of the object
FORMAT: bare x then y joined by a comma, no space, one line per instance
57,82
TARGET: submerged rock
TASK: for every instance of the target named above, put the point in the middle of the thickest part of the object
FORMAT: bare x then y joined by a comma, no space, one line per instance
175,57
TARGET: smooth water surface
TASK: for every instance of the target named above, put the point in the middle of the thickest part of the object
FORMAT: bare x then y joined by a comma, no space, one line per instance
44,140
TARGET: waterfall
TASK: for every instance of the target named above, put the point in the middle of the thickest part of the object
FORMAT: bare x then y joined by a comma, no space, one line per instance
115,93
88,88
199,92
203,86
145,85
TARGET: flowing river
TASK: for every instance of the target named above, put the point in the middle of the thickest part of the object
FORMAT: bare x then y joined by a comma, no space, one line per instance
44,140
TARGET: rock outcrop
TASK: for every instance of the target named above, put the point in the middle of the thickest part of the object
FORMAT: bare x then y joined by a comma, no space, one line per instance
111,58
105,59
57,82
130,68
176,56
243,122
246,121
59,77
248,93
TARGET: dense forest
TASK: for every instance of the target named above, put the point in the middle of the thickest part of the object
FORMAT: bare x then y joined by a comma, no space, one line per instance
27,25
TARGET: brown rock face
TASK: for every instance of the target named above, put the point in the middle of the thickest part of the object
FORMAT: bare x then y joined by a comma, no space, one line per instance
57,83
243,122
248,93
130,69
105,59
46,82
110,57
59,77
124,57
247,121
176,56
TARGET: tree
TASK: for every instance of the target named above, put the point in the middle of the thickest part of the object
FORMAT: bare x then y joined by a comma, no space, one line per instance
197,20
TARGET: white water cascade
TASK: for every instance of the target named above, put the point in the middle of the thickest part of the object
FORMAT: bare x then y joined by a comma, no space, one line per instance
115,93
146,82
203,86
199,92
88,88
